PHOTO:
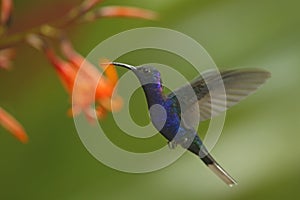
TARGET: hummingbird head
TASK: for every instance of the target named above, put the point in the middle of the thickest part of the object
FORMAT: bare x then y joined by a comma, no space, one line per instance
146,74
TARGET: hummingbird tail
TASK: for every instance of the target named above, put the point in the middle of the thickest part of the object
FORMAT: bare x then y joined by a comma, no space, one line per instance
218,170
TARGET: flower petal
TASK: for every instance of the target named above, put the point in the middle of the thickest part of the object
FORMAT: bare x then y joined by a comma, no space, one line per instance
6,57
65,70
112,104
122,11
13,126
110,71
6,12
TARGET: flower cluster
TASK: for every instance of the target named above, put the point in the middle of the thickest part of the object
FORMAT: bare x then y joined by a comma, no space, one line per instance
79,77
80,73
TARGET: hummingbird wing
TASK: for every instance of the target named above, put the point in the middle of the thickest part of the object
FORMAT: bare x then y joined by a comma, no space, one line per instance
215,91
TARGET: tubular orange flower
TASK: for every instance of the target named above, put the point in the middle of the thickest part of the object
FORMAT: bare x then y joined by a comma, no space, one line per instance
65,70
6,12
13,126
120,11
125,11
88,71
113,104
87,81
90,79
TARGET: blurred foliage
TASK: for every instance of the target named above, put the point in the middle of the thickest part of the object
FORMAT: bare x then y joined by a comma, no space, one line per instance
260,142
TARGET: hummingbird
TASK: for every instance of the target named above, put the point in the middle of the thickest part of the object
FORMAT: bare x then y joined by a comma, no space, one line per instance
173,114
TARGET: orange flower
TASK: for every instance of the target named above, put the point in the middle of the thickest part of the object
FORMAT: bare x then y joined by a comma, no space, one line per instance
88,80
13,126
126,11
6,11
120,11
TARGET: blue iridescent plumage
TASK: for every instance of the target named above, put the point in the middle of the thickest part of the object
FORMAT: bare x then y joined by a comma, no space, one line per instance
175,115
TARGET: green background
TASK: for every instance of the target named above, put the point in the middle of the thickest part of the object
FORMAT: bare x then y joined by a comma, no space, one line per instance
259,145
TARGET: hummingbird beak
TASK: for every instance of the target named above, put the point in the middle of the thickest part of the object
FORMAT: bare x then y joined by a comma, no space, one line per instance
124,65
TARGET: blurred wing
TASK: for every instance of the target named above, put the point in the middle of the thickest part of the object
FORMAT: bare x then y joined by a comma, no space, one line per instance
208,91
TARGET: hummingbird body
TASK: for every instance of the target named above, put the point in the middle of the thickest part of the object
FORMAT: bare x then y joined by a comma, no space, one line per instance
166,117
172,114
163,113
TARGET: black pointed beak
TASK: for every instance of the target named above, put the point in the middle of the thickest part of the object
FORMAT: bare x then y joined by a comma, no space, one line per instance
124,65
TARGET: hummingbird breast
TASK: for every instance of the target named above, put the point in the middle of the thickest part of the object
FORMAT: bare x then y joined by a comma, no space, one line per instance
164,116
165,119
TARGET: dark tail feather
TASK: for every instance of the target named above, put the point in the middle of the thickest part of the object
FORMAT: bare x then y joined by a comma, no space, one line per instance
218,170
199,149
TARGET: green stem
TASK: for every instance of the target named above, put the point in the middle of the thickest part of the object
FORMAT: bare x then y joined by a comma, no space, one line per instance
15,39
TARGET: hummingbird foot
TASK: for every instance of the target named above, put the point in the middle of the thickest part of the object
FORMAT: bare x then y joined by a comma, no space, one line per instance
172,144
184,138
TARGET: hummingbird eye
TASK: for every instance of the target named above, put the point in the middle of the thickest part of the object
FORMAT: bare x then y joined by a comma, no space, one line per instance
146,70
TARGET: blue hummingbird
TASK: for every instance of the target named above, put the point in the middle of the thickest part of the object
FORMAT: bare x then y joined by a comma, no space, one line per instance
173,114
